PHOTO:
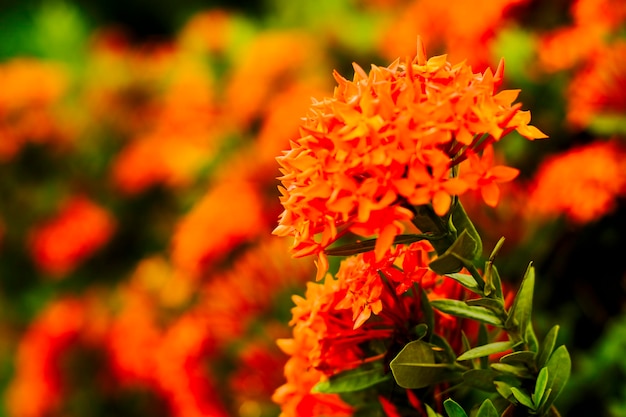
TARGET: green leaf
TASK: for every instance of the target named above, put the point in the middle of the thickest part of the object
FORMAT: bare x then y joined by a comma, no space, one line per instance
520,313
442,349
519,371
547,347
461,309
482,379
453,409
420,331
463,223
456,257
353,380
467,281
415,367
540,386
487,409
492,304
559,368
523,398
486,350
524,357
492,278
430,412
369,244
504,383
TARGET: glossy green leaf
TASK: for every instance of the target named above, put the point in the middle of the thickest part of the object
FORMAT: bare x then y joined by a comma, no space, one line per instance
487,409
461,309
540,386
456,256
415,367
454,409
353,380
486,350
523,398
559,368
547,347
521,311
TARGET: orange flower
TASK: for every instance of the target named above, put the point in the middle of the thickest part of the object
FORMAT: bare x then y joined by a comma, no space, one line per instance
582,183
29,97
37,387
596,90
229,215
388,140
79,229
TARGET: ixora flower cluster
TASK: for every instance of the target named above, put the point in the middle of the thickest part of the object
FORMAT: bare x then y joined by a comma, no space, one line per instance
415,320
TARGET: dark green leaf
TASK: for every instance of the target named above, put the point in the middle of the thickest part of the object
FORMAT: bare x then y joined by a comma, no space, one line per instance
524,357
482,379
492,278
415,367
520,313
463,223
523,398
370,244
487,409
461,309
486,350
559,368
547,347
456,257
420,331
453,409
353,380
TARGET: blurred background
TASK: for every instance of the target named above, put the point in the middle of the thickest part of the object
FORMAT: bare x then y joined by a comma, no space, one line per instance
138,274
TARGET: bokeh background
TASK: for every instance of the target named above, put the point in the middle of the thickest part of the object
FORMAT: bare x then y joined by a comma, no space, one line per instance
138,191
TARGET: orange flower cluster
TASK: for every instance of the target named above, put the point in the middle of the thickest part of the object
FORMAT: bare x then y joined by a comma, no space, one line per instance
338,323
582,183
79,229
389,140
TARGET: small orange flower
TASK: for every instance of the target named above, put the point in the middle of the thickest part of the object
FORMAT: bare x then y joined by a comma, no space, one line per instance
79,229
391,139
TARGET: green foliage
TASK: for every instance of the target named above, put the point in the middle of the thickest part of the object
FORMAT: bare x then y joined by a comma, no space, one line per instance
353,380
